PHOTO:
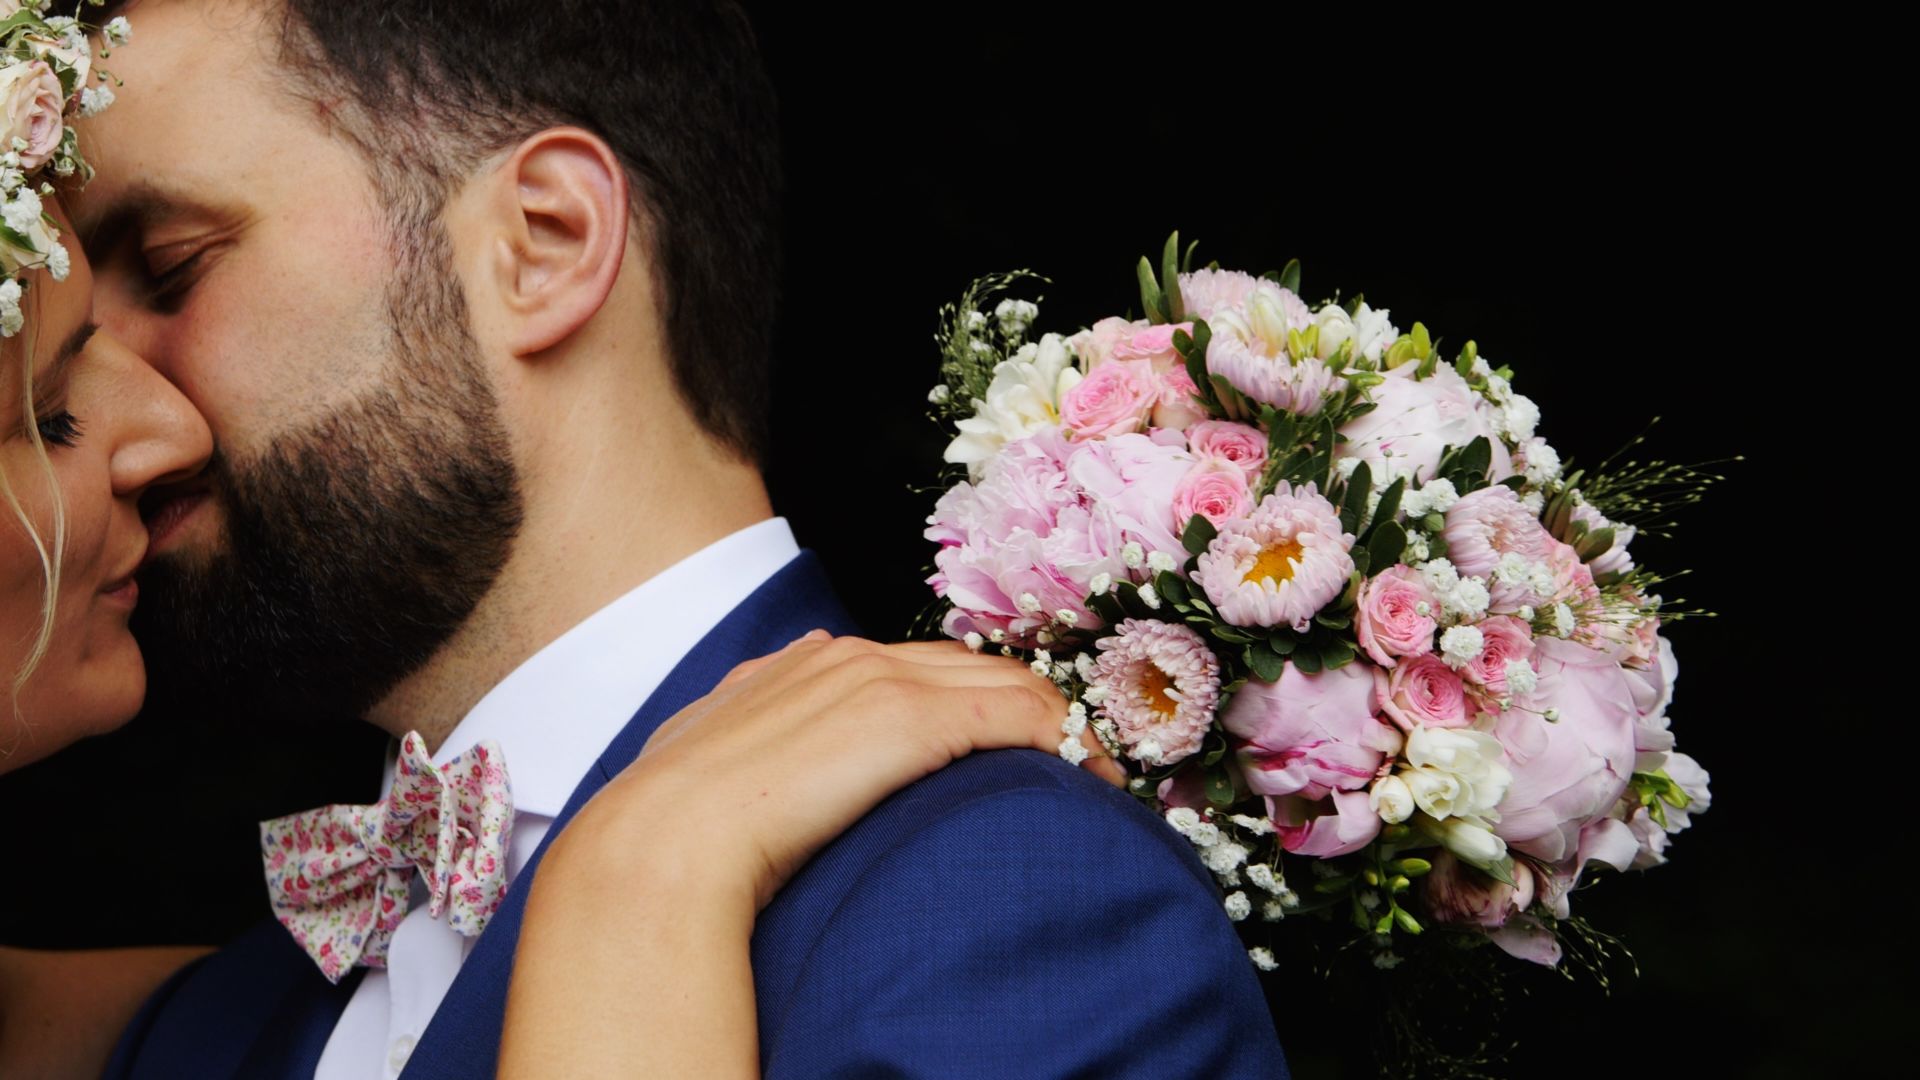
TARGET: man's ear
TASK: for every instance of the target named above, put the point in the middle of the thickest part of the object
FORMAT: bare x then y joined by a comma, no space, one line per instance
563,211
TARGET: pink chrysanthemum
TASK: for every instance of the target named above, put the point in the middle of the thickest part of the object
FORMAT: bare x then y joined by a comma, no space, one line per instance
1161,685
1279,565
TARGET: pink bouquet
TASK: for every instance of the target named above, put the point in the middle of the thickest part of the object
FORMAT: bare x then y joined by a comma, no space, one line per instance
1346,618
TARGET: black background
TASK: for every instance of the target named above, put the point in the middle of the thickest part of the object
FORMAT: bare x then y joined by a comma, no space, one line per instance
1616,221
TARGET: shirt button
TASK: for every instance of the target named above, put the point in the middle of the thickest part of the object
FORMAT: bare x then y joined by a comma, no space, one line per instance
397,1055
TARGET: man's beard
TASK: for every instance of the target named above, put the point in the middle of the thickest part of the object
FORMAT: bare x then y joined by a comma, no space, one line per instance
353,548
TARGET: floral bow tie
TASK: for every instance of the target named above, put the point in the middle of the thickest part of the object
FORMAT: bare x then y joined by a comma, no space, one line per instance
338,876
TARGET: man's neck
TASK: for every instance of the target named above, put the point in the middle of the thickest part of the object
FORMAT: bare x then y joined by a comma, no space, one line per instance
562,570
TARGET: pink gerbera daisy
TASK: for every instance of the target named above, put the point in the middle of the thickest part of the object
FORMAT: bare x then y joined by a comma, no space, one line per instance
1279,565
1159,684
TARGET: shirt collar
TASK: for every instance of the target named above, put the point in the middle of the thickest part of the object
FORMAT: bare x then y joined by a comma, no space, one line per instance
557,712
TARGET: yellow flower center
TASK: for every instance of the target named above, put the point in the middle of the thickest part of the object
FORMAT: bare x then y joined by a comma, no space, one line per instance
1276,563
1155,683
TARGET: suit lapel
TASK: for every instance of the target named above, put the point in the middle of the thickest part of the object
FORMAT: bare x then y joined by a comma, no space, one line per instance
463,1039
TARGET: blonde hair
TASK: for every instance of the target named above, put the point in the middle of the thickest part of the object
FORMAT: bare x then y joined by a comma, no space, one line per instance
49,553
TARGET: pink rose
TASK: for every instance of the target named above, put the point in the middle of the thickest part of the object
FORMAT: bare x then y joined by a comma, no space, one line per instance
1460,894
1503,639
1415,420
1422,691
1153,344
1214,489
1095,344
1114,399
1569,772
1389,621
1489,523
1242,444
1310,735
1322,831
1177,409
31,108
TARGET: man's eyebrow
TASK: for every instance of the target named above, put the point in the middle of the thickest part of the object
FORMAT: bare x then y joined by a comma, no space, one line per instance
141,204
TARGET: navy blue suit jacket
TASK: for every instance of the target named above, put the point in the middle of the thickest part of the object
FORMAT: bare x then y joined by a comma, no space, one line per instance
1010,915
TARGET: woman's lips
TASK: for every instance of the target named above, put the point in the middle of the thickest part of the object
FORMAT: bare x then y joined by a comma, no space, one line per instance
126,593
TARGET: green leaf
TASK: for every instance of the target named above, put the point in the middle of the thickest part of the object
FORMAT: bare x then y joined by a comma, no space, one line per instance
1595,544
1229,634
1307,660
1406,920
19,19
1170,279
1389,507
1150,298
1333,885
1361,560
1199,532
1171,586
17,240
1388,543
1219,788
1333,622
1186,261
1477,458
1108,608
1290,276
1281,646
1337,655
1265,664
1354,507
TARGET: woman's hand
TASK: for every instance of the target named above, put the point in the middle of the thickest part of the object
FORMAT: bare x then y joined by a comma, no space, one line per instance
633,957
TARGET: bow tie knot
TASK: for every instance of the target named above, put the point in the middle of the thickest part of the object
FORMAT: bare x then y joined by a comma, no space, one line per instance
338,877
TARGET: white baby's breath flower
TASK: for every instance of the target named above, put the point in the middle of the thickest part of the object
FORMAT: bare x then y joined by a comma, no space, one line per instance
1160,562
1204,835
1468,599
974,641
1101,583
1028,603
1258,826
1440,576
1132,554
1073,750
1238,906
1066,617
1273,911
59,263
1525,613
1499,390
118,30
976,320
1439,495
1084,666
1223,856
22,212
95,100
1521,678
1262,877
1533,501
997,635
1262,959
1385,961
1343,467
1184,819
1460,644
939,394
1517,418
1015,316
11,318
1563,620
1543,464
1150,597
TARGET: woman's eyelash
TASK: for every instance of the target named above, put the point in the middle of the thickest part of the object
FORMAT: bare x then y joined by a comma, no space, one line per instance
61,428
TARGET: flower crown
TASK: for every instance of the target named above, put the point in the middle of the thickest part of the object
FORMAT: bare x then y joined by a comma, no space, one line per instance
46,72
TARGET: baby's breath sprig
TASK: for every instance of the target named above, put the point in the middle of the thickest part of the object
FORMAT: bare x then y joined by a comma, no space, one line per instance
973,342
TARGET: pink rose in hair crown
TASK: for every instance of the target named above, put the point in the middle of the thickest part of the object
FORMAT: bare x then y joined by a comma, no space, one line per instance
1395,617
1310,735
33,111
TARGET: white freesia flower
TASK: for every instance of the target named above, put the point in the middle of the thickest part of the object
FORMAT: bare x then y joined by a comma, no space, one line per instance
1392,799
1441,795
1471,758
1024,397
1372,333
1471,841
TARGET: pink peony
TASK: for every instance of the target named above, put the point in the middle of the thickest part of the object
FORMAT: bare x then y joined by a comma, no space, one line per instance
1159,685
1463,895
1128,482
1281,564
1390,622
1027,540
1569,772
1415,420
1310,735
1422,692
1341,824
1242,444
1503,638
1114,399
1214,489
1489,523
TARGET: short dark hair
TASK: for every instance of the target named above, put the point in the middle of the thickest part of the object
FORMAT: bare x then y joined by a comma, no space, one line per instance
676,87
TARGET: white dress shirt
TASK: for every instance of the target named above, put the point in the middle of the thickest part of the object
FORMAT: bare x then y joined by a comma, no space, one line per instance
552,719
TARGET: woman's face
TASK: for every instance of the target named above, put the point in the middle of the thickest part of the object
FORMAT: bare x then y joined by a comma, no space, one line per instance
112,427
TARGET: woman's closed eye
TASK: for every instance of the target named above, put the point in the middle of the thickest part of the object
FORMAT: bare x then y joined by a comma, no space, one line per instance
59,428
